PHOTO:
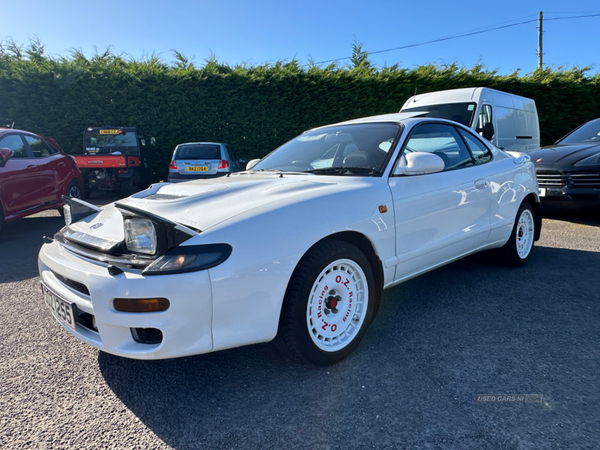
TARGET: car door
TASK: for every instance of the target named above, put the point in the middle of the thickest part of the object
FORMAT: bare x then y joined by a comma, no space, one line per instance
52,168
439,216
19,178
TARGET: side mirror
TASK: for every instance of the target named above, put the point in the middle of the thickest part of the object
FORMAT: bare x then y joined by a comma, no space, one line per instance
419,164
488,131
152,141
252,163
5,154
242,161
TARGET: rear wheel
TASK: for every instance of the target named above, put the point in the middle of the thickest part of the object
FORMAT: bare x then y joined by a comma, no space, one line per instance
73,189
328,305
517,250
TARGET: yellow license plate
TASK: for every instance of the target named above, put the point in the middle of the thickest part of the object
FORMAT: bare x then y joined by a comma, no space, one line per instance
197,169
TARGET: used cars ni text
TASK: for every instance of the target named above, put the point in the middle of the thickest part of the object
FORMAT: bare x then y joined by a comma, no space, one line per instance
298,248
568,172
34,174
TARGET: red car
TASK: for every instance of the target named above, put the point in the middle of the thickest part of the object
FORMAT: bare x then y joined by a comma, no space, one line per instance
34,175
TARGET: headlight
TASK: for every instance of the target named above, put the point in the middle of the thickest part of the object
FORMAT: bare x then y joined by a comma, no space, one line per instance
140,236
593,160
189,259
67,213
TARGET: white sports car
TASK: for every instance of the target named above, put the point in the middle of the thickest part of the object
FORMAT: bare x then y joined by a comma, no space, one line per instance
299,247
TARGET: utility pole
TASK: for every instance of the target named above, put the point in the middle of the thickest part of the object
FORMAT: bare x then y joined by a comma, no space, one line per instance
540,44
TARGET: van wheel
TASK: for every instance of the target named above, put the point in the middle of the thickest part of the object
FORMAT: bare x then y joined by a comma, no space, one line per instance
328,305
517,250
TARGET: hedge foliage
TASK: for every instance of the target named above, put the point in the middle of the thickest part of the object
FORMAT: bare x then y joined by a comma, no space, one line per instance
253,108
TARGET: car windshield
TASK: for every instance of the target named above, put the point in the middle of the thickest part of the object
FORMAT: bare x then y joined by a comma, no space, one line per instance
198,151
458,112
110,138
589,132
359,149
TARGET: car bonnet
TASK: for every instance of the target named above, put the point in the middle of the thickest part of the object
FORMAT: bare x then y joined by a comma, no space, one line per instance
202,204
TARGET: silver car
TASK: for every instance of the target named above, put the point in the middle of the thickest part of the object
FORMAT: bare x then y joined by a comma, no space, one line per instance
196,160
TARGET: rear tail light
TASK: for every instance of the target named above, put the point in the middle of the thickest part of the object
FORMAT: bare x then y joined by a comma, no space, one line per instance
223,164
173,164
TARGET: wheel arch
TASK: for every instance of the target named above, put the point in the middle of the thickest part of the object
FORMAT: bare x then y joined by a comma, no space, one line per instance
537,210
364,245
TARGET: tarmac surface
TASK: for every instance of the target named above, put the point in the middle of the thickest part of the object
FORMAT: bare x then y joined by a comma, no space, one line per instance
440,340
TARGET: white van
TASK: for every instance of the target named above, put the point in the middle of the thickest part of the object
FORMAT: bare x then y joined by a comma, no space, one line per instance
510,122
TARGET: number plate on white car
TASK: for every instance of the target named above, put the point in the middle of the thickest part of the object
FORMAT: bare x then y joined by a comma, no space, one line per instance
61,309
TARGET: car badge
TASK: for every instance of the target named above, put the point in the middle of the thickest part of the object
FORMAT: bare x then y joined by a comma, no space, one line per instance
96,225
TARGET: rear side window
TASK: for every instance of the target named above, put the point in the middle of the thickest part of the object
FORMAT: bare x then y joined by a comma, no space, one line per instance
199,151
39,148
15,144
480,152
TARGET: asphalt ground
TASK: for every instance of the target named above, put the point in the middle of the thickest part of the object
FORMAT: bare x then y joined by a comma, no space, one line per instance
472,327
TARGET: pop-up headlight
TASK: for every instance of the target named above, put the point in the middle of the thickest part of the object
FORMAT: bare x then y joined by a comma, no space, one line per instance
140,235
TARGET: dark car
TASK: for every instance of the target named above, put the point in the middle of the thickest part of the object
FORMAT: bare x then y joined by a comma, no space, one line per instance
202,160
568,172
34,175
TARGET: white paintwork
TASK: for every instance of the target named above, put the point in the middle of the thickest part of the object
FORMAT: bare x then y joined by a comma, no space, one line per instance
271,220
512,115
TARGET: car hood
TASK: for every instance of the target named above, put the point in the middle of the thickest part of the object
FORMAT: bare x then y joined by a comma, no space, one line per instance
562,155
202,204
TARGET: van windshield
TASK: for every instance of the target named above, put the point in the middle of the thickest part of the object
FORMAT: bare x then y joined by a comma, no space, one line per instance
458,112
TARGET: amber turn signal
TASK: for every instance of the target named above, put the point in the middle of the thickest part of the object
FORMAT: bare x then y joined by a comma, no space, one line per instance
140,305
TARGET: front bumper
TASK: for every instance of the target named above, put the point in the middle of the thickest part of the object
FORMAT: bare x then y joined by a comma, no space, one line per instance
186,326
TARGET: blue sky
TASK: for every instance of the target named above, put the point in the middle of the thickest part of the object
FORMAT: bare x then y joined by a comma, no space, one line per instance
260,31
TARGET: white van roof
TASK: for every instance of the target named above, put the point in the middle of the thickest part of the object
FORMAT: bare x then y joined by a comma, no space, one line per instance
465,95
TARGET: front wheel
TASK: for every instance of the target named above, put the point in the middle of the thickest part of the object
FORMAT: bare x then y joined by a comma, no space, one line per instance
328,305
517,250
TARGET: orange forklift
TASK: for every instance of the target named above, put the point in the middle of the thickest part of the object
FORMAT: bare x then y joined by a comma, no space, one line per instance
114,158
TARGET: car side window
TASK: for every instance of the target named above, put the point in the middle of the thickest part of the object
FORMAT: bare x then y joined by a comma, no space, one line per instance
39,148
480,152
441,140
16,145
230,151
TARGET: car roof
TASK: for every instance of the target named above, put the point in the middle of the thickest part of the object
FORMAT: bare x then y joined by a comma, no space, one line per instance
202,143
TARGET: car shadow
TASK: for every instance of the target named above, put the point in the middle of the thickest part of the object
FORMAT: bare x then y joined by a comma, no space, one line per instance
25,237
579,216
469,328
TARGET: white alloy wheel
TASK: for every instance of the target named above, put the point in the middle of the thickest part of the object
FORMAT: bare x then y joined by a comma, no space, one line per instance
337,305
525,233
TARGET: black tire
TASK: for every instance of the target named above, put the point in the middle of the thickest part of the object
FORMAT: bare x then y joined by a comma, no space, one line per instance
74,189
320,295
517,250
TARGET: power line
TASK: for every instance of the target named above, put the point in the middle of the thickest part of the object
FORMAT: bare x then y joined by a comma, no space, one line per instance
459,36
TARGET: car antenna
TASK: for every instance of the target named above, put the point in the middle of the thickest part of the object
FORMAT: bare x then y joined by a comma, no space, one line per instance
12,126
415,96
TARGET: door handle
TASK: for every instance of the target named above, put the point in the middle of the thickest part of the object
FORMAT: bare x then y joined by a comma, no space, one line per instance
481,184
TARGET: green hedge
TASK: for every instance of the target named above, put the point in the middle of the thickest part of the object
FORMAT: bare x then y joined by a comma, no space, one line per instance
253,108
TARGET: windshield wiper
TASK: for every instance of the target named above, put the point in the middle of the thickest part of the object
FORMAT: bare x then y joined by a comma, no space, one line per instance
344,170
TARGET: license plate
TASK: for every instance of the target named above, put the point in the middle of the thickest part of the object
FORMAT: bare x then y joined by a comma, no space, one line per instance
61,309
542,192
197,168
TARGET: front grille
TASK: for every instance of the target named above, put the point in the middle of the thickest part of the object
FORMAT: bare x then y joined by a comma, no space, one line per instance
586,180
548,179
76,285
